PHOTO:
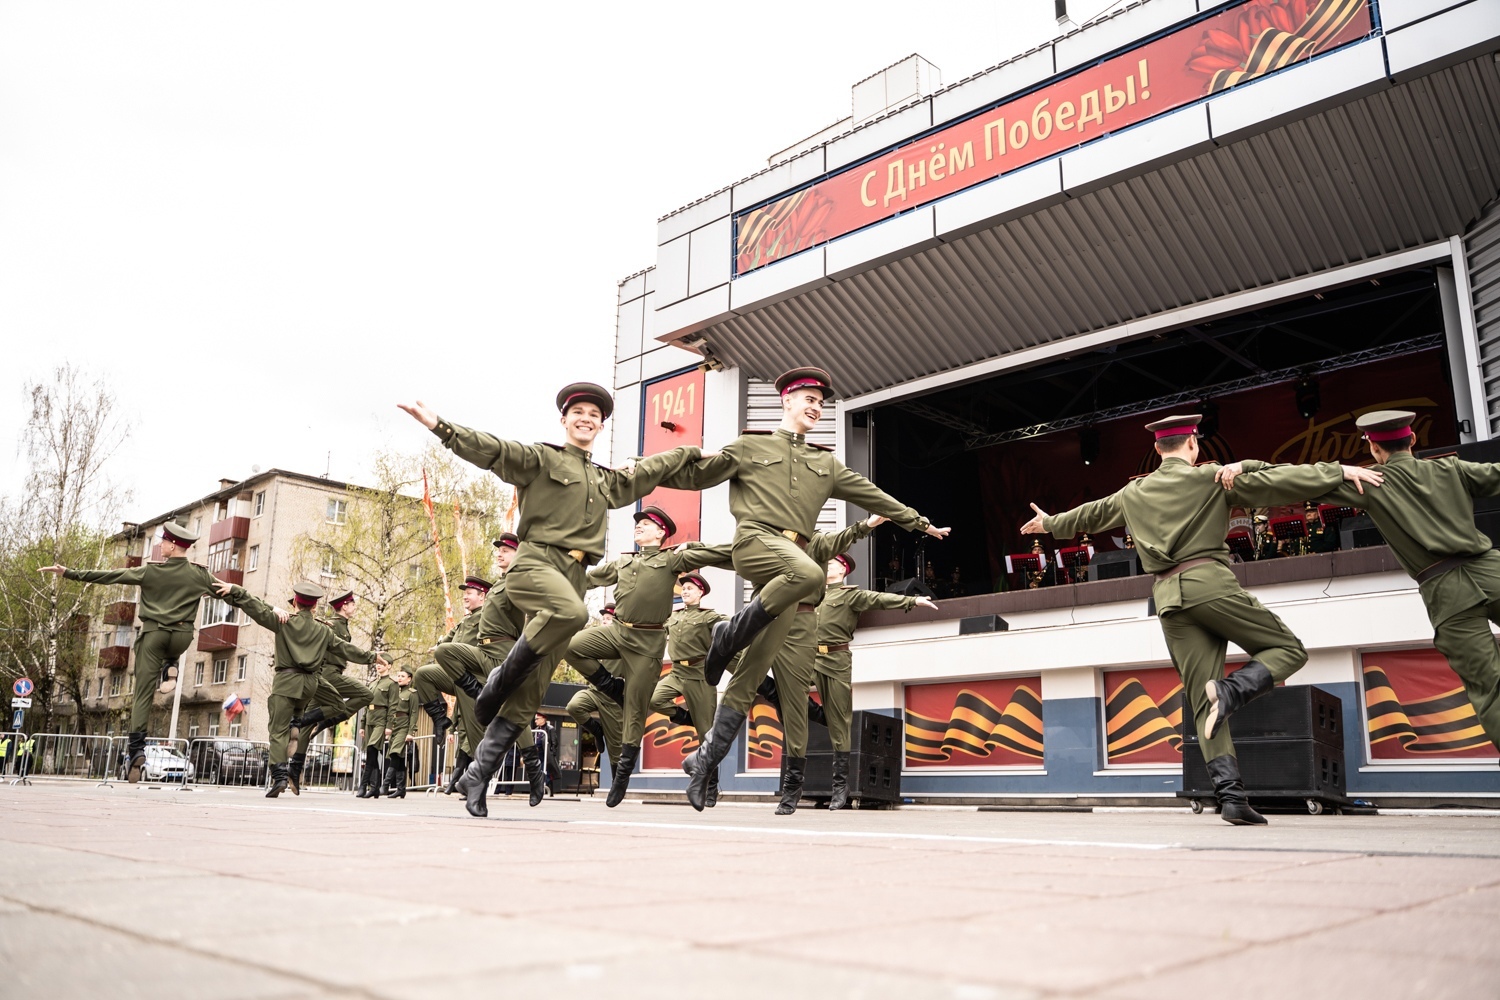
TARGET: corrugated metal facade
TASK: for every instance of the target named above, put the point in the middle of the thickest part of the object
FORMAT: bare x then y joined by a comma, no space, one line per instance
1400,168
1482,252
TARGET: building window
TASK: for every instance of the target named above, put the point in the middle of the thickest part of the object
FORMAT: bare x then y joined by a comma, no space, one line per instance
198,674
234,729
240,666
217,611
221,671
100,693
338,511
260,504
193,729
198,526
114,682
254,560
327,569
223,556
213,728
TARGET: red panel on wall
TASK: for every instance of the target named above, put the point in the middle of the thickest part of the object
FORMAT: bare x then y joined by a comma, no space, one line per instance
986,723
665,745
1416,709
672,416
1143,716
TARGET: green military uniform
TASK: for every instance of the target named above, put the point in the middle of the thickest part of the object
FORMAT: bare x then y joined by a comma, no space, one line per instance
590,701
778,482
563,499
1425,511
1179,518
689,632
377,718
433,678
403,726
838,617
339,696
302,642
170,594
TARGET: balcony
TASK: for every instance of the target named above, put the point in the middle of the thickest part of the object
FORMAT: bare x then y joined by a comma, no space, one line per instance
119,613
213,638
128,562
114,657
230,527
234,576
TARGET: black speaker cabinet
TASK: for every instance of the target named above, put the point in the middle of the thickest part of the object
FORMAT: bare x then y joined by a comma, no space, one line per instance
1294,712
1113,565
872,780
870,733
1359,533
977,624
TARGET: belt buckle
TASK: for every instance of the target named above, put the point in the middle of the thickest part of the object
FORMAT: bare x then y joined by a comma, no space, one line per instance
626,624
822,648
578,555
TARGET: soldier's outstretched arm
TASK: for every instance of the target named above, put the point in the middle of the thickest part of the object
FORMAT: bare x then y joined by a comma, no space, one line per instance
696,555
1094,516
707,471
856,489
514,462
133,575
353,653
1482,478
626,487
871,600
1269,485
604,574
257,610
823,546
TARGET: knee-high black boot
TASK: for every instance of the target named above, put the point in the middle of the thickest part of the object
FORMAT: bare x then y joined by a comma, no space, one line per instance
278,781
624,768
294,771
609,685
715,747
135,755
839,794
734,635
499,736
815,713
1234,692
769,691
370,785
460,763
469,685
437,710
1234,806
536,775
504,680
791,784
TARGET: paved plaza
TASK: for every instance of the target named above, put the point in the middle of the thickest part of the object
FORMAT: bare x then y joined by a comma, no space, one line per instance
155,892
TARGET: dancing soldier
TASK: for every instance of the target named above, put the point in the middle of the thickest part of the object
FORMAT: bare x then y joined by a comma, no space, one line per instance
608,705
338,697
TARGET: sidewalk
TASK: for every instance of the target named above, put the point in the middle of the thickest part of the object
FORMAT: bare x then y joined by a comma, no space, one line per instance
152,892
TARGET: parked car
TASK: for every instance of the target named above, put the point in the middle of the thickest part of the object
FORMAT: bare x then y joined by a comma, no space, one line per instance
230,762
162,764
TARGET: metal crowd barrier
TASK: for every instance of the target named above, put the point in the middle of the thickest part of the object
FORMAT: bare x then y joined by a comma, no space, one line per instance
229,761
421,763
512,771
332,767
60,755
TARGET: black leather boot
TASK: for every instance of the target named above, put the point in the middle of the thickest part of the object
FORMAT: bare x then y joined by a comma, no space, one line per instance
499,736
437,710
312,717
839,799
619,784
734,635
594,728
294,772
769,691
135,755
460,764
278,781
397,771
815,713
711,793
608,684
791,784
715,747
469,685
781,778
503,681
680,716
1234,806
370,781
536,774
1227,696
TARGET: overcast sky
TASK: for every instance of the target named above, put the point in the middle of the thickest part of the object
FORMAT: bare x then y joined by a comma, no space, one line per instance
266,223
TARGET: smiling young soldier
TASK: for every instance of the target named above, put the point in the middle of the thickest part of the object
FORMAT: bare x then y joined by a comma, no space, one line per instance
644,583
338,697
170,593
778,482
563,499
1179,518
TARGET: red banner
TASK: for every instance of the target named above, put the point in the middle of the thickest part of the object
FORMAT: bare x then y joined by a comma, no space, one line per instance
1143,716
1416,709
1230,47
672,416
981,723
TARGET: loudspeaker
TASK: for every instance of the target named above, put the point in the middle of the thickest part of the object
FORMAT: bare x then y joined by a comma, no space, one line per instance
910,587
1294,712
1114,565
1359,533
871,779
870,733
982,623
1293,769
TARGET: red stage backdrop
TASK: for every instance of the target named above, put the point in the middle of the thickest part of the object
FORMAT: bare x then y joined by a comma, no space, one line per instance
1416,709
988,723
1143,716
672,416
1230,47
1257,423
665,745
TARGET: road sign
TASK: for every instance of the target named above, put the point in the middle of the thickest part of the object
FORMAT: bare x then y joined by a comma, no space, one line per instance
18,719
23,687
20,703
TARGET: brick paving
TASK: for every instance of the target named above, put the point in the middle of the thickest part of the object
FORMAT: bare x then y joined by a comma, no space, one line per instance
154,892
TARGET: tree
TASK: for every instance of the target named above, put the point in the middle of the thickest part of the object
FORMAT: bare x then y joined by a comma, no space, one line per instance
61,516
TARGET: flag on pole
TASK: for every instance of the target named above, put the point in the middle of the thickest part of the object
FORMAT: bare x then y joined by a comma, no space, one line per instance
437,547
235,706
458,532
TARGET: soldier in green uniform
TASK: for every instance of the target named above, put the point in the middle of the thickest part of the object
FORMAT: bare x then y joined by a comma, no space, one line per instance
778,483
607,702
644,582
402,726
838,617
456,675
338,697
302,643
1179,518
563,499
1425,511
170,592
689,631
373,734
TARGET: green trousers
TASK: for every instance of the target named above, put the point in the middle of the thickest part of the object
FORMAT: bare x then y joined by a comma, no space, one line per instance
292,693
588,702
1197,638
836,690
1466,640
521,707
640,654
454,660
339,695
783,577
548,586
794,678
153,648
688,684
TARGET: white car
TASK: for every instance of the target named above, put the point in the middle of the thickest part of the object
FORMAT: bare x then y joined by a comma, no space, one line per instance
164,764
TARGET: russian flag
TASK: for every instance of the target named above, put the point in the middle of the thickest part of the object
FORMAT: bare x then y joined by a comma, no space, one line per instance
234,705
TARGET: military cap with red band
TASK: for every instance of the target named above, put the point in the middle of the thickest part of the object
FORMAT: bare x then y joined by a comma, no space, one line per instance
696,580
659,517
1176,425
507,541
179,534
307,595
847,561
586,392
1386,425
609,608
476,583
806,378
341,599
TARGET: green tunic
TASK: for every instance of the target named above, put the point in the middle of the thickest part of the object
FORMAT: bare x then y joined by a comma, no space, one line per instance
170,592
403,702
338,695
377,719
838,617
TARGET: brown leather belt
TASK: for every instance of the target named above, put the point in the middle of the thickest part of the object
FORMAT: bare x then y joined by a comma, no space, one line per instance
837,647
806,609
642,626
690,663
1167,575
800,539
578,555
497,638
1442,566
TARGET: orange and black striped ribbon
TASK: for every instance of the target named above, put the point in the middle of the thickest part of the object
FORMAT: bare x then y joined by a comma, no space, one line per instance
976,725
1440,724
661,733
766,738
1133,720
1275,48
